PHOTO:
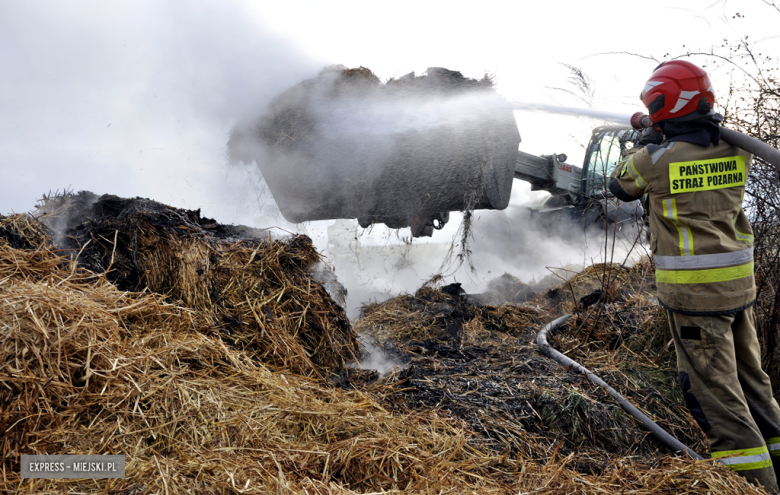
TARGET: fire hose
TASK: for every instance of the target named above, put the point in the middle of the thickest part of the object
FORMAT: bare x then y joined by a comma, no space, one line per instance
747,143
661,434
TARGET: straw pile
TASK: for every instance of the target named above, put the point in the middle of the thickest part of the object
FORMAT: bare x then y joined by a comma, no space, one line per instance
444,314
256,292
88,368
480,363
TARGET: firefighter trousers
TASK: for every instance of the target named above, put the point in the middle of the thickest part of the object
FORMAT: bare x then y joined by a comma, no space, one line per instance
727,392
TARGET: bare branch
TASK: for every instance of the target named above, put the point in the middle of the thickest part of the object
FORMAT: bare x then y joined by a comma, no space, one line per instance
716,3
772,4
720,57
623,53
692,11
582,99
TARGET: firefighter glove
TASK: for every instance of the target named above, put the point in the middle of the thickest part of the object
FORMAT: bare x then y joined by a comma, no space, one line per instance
650,136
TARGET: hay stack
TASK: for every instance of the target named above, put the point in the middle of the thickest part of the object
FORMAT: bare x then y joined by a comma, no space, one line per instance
87,368
343,145
256,292
505,289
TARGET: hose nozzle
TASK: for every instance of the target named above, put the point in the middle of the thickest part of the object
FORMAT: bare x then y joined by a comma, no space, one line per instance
641,121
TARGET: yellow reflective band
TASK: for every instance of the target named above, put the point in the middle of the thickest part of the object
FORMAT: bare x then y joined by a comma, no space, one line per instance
704,276
773,444
640,182
623,164
740,452
743,237
707,175
685,234
745,459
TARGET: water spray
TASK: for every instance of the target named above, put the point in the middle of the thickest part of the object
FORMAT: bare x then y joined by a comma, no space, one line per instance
642,121
618,118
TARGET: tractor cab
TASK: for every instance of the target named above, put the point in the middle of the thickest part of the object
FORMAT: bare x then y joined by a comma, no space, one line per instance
605,151
586,199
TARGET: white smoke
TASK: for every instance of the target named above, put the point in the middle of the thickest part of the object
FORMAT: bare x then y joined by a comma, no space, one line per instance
377,359
357,139
134,99
382,263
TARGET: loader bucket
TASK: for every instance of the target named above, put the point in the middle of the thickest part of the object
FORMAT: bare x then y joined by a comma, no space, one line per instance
385,159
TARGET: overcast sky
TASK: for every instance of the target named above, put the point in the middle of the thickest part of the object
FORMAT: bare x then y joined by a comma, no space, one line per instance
137,98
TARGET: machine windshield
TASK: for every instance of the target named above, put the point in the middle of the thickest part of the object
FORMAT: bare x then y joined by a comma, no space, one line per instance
605,154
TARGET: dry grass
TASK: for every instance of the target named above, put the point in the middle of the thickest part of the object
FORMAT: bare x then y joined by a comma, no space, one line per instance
87,368
626,341
432,313
256,292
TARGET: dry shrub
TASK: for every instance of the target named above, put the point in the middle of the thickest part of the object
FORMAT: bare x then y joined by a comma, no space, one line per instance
751,107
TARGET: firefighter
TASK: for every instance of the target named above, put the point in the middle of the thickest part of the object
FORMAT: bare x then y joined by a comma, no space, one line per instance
702,245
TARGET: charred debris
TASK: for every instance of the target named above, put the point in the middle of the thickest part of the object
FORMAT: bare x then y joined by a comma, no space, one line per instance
215,362
479,363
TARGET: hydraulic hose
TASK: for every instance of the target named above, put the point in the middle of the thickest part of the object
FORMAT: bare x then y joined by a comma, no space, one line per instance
747,143
661,434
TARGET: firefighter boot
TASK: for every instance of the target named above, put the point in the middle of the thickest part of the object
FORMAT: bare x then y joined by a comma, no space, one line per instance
727,393
756,385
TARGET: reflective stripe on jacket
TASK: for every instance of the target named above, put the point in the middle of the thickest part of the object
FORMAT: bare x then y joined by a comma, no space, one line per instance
701,240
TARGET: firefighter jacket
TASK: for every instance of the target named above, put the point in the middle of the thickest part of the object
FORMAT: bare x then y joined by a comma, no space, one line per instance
701,240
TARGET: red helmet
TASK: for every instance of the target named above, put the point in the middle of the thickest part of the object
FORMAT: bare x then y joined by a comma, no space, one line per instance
678,88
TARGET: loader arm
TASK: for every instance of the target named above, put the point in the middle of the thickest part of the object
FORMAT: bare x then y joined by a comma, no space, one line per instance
549,173
579,195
